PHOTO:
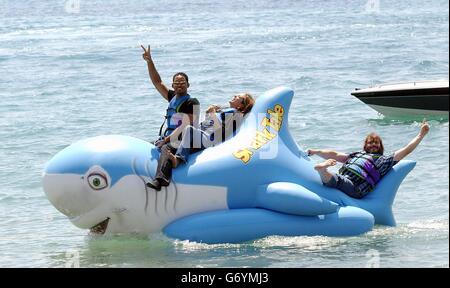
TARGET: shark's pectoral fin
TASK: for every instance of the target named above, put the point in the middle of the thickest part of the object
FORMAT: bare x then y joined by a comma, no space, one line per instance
239,225
294,199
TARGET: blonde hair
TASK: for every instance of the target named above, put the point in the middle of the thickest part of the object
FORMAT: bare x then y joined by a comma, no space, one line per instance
248,103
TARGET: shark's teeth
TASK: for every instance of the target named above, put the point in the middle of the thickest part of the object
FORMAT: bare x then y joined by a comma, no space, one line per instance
100,228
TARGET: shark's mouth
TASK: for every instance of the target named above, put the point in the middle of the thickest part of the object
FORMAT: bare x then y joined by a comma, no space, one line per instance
100,228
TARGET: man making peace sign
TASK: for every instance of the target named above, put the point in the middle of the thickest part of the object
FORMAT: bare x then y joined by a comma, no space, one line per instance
182,111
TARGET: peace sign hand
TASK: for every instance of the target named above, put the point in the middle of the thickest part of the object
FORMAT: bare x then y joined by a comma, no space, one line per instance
146,55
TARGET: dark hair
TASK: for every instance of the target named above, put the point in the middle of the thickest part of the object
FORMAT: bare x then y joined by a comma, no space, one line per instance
374,136
184,75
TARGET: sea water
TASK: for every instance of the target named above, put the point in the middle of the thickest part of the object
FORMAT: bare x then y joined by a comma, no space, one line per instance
74,69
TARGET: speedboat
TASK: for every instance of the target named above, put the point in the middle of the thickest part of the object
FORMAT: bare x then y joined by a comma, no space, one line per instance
413,98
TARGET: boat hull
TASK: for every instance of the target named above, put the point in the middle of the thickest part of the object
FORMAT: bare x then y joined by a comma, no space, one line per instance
398,112
403,100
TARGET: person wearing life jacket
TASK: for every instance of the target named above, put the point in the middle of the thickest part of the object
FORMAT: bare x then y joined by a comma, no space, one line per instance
182,111
219,125
361,171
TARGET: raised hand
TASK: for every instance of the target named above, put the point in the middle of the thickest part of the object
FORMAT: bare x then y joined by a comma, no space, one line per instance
146,55
403,152
424,128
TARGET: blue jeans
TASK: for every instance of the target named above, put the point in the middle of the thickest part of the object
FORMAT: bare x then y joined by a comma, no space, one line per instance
193,140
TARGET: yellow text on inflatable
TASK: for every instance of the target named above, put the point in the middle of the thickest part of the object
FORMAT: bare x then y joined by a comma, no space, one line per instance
274,121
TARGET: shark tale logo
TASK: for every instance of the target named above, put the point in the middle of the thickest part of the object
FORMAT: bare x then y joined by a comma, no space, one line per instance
262,137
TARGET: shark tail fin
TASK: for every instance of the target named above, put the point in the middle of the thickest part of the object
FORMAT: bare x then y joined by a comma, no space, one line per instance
379,202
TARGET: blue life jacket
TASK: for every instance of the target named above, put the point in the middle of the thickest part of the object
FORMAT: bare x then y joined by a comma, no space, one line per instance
363,166
221,116
172,117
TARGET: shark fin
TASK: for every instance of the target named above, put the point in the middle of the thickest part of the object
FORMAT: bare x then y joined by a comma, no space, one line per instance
379,201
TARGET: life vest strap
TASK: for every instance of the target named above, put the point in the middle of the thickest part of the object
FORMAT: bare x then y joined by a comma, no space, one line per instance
222,119
167,116
369,177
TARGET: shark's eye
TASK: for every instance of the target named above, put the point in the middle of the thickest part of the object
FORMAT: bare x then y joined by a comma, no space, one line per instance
97,181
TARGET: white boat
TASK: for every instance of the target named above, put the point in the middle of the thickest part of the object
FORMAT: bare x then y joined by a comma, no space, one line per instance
413,98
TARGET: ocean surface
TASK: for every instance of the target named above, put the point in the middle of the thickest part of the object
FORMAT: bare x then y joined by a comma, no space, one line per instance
73,69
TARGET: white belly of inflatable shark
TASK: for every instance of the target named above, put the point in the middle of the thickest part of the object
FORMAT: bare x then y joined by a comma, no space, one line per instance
256,184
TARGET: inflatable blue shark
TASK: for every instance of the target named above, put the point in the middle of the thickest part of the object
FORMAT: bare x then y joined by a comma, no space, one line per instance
256,184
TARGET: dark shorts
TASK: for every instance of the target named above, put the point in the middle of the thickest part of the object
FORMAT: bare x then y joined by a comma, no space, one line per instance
345,185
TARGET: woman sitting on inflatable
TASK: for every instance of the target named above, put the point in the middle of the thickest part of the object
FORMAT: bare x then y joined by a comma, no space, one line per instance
219,125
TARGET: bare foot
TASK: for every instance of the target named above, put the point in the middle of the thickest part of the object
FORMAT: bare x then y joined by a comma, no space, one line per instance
174,160
324,165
